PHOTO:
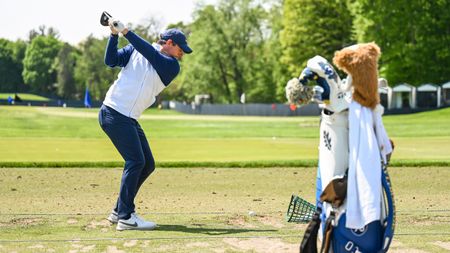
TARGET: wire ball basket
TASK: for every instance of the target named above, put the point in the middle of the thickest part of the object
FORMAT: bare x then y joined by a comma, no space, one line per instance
300,210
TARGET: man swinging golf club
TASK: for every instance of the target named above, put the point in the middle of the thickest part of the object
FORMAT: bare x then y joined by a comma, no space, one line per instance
146,69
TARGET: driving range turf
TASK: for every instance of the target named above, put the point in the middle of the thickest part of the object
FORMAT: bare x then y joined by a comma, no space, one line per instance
199,208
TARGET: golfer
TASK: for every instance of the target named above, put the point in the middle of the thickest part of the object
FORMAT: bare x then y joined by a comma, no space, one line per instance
146,70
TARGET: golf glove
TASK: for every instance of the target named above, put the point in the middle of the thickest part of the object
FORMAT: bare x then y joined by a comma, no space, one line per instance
117,24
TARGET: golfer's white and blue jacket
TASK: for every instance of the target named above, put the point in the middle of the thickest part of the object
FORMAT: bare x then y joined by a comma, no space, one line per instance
145,73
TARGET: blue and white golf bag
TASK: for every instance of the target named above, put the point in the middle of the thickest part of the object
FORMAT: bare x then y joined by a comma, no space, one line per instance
334,97
374,237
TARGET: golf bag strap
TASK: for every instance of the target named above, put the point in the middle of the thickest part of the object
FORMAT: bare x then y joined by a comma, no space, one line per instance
326,242
309,241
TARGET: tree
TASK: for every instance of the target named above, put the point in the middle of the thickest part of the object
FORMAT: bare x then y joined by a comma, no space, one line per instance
149,30
91,71
414,37
11,56
43,31
313,27
65,67
274,52
228,42
38,64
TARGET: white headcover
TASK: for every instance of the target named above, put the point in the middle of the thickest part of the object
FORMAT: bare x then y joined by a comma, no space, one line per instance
340,92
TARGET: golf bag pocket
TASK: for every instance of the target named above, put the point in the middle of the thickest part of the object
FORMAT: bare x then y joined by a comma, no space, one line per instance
365,240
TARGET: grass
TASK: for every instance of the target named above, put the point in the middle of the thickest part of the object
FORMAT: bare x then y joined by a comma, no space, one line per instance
202,207
198,210
38,134
24,96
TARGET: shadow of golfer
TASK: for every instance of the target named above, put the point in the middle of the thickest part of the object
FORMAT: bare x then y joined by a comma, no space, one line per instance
209,231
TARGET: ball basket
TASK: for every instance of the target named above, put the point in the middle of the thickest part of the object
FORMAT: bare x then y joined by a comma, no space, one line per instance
300,210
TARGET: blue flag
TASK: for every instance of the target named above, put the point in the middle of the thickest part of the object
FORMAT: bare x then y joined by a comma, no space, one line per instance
87,98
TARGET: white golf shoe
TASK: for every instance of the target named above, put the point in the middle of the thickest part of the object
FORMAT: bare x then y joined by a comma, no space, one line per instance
135,223
113,217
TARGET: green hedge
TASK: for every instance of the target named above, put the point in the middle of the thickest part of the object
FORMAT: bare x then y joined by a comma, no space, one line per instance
231,164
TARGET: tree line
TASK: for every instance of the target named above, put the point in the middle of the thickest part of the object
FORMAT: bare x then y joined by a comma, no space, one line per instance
246,46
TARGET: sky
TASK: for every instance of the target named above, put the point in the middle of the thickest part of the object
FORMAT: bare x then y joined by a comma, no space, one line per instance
75,20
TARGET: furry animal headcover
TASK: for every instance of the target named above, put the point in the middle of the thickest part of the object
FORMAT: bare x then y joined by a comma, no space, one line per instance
360,61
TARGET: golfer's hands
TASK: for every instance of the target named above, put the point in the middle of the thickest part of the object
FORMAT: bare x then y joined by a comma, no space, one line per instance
113,30
117,27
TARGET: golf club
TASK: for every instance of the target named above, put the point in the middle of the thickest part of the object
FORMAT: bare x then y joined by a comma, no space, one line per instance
104,19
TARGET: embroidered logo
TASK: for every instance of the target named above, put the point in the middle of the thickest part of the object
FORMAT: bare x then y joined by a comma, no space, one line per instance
327,139
329,71
359,232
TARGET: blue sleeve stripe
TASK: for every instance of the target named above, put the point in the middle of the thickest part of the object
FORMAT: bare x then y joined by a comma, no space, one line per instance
167,67
114,57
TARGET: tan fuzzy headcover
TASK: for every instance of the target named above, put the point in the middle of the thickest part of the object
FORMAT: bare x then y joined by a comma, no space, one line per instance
361,62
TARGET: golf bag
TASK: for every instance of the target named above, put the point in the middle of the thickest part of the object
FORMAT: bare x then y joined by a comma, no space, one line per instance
375,236
333,166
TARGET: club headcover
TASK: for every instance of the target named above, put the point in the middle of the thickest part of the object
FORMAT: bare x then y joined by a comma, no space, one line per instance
104,19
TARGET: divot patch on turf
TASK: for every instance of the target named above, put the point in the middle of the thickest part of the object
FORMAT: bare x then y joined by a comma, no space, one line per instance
444,245
131,243
22,222
398,247
82,249
271,221
94,224
164,248
262,245
114,249
197,245
76,245
72,221
240,221
37,246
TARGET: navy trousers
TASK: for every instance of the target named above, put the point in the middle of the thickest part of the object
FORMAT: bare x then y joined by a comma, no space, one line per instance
129,139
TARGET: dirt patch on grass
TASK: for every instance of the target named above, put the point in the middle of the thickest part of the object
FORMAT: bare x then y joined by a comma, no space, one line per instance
72,221
240,221
197,245
165,248
22,222
78,248
94,224
131,243
113,249
398,247
427,220
444,245
271,221
37,246
262,245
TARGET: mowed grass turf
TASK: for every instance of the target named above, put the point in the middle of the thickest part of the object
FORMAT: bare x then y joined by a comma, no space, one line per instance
24,96
197,209
38,134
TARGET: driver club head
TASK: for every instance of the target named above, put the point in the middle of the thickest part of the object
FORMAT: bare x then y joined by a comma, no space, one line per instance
104,19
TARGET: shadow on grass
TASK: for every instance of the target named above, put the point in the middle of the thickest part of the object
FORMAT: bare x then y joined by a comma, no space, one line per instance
209,231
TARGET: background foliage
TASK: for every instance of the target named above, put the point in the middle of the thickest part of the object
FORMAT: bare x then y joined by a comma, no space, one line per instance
249,47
